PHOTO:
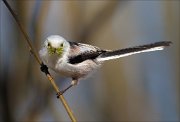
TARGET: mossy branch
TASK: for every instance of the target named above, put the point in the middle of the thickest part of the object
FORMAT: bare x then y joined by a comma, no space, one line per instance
33,52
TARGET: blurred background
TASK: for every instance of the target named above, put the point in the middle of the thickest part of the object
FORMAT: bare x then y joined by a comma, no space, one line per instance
142,87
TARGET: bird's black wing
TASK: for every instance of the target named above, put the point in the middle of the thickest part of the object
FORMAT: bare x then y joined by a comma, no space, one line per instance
80,52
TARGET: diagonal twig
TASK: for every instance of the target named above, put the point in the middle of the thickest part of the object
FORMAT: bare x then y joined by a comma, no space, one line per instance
45,68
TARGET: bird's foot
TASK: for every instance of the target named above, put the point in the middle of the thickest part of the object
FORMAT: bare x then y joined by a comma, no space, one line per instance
44,68
58,94
73,83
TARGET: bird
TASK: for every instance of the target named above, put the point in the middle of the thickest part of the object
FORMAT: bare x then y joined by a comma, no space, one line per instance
78,60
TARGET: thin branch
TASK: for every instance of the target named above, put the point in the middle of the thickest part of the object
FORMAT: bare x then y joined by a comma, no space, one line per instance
32,50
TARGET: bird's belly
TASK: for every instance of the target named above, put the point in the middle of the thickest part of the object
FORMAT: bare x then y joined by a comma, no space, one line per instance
79,70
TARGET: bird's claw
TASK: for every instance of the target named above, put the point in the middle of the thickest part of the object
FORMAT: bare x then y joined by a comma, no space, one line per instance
44,68
59,94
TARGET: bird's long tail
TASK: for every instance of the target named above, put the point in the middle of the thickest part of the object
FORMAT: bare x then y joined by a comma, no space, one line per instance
108,55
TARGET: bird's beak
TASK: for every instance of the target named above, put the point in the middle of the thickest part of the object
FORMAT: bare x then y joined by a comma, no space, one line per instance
59,51
52,50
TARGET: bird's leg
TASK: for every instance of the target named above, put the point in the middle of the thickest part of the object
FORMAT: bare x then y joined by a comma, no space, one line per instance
73,83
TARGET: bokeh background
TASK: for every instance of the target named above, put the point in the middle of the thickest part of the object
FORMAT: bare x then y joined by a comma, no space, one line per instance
142,87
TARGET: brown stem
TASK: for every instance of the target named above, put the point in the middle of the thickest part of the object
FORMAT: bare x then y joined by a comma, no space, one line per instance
32,50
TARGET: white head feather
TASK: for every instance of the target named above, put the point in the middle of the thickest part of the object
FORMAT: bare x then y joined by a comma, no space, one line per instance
55,41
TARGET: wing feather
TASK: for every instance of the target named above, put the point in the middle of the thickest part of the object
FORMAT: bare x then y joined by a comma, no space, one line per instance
80,52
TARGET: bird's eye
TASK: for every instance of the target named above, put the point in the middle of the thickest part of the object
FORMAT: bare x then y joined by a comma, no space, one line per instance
62,45
48,44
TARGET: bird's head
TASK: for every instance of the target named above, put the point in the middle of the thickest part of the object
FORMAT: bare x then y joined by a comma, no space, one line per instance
56,45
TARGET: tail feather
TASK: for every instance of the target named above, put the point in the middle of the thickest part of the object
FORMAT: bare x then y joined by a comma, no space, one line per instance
133,50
